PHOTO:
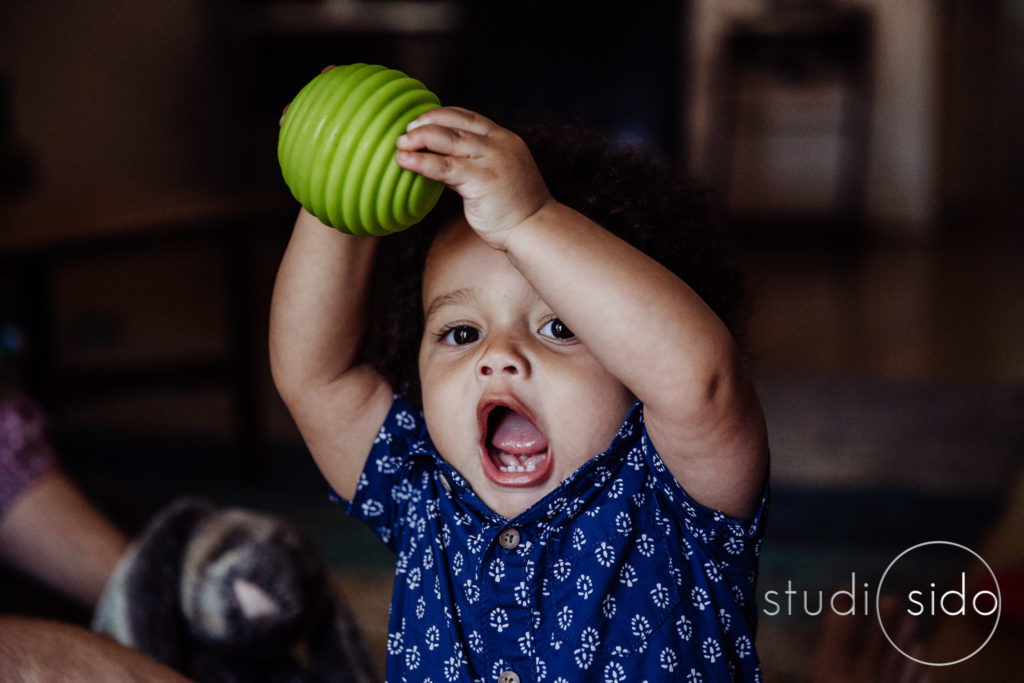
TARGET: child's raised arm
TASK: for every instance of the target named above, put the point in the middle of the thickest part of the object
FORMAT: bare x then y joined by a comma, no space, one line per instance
645,325
317,319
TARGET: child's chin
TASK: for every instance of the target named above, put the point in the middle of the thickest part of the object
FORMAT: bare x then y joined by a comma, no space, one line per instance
512,502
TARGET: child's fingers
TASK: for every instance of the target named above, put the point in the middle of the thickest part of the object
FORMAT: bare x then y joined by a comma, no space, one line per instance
444,168
455,117
443,140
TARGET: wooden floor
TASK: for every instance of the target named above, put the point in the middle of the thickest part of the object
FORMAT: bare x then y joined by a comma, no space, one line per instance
954,311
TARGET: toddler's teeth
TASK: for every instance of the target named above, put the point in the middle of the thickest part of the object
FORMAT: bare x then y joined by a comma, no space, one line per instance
506,459
512,463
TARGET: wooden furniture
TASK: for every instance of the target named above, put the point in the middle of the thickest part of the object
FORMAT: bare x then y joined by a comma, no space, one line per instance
793,116
42,239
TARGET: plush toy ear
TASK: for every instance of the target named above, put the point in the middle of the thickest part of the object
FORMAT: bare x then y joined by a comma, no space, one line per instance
337,650
140,604
254,601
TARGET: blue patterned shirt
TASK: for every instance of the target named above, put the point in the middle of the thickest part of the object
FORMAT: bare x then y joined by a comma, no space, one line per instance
616,575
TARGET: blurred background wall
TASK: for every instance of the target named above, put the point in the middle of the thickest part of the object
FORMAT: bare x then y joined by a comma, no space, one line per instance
112,93
147,94
868,153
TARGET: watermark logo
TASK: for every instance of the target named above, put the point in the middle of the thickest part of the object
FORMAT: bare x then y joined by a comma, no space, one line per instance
930,594
927,586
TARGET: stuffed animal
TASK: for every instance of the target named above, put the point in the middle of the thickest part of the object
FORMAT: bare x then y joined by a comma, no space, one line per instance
226,595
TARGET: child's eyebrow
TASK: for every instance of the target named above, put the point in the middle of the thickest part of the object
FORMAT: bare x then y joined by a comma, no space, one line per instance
450,299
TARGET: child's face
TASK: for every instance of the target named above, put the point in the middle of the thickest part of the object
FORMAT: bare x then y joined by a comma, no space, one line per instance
512,400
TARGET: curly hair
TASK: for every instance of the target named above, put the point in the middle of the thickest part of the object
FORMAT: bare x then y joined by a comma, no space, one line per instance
625,190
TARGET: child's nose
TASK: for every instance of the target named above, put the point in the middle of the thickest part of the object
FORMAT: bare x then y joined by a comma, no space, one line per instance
503,357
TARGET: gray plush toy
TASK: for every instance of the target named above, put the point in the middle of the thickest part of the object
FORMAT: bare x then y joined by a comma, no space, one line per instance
225,595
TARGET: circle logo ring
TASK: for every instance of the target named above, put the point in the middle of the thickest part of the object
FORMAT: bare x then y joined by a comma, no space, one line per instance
878,596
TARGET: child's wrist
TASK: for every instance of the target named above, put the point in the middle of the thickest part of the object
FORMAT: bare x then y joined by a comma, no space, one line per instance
307,218
550,216
525,230
308,222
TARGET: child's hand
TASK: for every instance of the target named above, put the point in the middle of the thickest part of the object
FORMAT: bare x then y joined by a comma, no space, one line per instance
488,165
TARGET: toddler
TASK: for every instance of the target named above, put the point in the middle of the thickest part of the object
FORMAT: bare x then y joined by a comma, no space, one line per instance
573,473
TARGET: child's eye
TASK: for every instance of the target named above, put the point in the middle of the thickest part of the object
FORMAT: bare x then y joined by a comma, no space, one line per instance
460,335
556,329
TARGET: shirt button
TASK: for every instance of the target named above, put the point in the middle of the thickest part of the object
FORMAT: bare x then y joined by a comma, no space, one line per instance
509,540
508,677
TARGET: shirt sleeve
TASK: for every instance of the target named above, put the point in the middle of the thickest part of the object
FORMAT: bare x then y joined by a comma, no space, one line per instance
385,487
25,452
736,541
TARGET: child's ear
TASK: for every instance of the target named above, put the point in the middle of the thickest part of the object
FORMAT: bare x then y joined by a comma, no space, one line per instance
140,604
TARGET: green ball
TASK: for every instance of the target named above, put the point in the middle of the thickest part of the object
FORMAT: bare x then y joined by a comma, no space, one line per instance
336,148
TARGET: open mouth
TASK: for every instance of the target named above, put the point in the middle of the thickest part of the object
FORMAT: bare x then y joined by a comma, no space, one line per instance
514,451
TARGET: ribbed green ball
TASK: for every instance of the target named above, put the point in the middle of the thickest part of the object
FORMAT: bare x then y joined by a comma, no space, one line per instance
336,148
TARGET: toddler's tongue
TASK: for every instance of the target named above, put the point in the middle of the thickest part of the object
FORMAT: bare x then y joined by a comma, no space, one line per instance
515,434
